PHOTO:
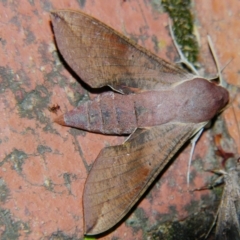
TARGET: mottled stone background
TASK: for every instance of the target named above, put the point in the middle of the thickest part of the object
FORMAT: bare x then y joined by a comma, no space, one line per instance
43,166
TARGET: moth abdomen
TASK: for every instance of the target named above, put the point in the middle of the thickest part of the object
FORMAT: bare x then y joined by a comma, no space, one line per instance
109,113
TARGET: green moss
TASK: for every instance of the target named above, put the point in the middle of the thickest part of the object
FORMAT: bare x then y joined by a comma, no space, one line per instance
89,238
182,19
191,228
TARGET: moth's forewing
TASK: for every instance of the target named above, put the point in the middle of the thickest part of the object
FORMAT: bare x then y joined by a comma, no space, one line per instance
101,56
121,174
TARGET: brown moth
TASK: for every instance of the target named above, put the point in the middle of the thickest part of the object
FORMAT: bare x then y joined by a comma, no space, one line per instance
161,105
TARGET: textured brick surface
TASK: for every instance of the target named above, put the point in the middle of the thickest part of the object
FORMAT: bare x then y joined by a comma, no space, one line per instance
43,166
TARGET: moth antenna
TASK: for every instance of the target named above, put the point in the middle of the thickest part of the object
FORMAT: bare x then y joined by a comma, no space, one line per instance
193,143
213,224
219,71
226,65
183,59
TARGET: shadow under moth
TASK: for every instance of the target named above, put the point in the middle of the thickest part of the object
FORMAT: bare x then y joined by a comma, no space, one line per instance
160,106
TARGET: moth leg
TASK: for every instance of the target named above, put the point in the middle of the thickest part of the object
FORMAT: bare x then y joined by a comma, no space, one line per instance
193,143
183,59
213,224
130,135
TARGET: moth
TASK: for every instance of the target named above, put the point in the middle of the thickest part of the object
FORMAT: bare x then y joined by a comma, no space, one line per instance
159,105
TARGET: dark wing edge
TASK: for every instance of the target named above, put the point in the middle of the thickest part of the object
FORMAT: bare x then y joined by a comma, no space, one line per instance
108,194
93,50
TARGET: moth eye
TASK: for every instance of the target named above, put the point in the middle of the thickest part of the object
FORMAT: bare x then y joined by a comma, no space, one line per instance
149,163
